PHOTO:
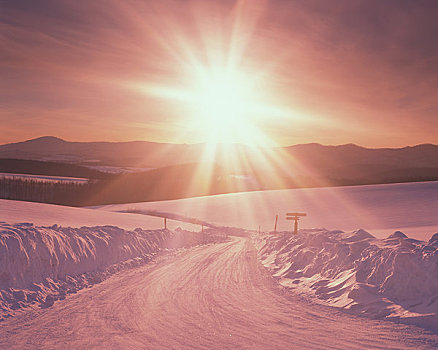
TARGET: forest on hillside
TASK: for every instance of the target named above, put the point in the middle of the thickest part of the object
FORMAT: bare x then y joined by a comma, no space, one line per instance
175,182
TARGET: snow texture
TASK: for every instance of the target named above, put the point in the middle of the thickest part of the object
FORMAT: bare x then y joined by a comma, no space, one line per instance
39,265
42,214
394,278
410,207
43,178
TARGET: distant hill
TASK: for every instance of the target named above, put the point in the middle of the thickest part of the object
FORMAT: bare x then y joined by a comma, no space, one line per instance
354,162
282,167
135,153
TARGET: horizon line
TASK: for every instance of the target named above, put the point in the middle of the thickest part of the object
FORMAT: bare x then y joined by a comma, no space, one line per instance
221,143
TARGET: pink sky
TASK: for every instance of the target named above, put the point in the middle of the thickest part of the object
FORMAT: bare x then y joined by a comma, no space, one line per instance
363,72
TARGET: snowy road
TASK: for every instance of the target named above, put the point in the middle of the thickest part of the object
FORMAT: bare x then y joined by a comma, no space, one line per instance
212,297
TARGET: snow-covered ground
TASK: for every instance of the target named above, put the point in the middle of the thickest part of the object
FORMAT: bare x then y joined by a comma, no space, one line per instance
381,274
394,278
41,264
41,214
380,209
43,178
116,170
207,297
49,251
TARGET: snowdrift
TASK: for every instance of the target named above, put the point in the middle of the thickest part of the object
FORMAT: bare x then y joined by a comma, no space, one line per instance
41,264
394,278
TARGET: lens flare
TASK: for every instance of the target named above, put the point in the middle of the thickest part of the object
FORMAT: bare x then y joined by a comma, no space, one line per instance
224,97
222,100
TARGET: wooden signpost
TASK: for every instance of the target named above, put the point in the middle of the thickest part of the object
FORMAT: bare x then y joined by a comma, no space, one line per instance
296,217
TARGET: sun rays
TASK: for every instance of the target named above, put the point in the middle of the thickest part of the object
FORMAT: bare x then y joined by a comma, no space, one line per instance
216,89
224,98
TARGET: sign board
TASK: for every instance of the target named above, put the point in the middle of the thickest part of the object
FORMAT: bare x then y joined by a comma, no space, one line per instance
296,217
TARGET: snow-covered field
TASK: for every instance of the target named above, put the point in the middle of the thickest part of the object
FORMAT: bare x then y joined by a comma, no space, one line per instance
116,170
43,178
208,297
380,209
41,214
394,278
49,251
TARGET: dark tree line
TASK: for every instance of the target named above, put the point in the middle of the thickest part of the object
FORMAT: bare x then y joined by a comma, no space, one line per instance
161,184
62,192
173,182
37,167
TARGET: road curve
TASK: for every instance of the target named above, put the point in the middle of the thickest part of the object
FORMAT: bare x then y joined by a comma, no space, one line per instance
211,297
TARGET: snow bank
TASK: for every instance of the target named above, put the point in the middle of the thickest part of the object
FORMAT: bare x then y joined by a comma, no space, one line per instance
394,278
41,264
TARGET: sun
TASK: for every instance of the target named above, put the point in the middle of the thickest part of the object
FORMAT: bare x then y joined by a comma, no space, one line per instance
217,89
222,102
219,104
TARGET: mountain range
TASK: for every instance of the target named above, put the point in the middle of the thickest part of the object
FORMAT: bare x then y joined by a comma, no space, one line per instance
346,164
